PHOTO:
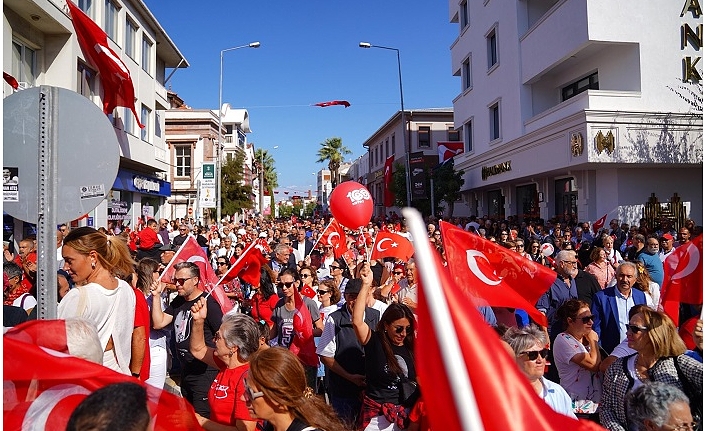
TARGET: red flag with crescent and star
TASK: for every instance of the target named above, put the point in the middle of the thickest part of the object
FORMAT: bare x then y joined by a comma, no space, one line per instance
449,149
598,224
390,244
335,236
43,384
343,103
388,196
501,277
683,277
191,251
303,344
118,89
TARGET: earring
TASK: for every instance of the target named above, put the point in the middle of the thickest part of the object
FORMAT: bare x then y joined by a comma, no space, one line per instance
93,265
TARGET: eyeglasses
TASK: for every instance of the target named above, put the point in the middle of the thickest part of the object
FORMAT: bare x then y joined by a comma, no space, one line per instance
287,284
250,396
635,329
683,427
532,354
181,281
322,292
570,262
586,319
222,263
306,275
334,267
217,336
399,329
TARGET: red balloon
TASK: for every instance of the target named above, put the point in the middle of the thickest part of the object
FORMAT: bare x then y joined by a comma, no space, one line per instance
351,204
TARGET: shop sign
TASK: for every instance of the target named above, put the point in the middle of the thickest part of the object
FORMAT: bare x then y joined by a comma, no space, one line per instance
145,184
118,210
488,171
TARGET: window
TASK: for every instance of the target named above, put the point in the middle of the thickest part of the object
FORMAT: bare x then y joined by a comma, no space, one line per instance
468,135
130,38
393,144
463,14
111,19
24,63
588,83
157,124
183,160
86,6
145,115
492,41
453,134
86,80
424,136
466,74
128,121
387,148
146,55
494,113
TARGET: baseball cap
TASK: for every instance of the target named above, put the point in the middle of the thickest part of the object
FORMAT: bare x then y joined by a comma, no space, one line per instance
167,247
353,286
667,236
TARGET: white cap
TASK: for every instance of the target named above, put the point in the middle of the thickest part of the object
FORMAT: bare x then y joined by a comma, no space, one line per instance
241,231
262,235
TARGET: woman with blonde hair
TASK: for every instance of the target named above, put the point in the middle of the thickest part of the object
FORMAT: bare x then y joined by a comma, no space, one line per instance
644,282
96,263
276,391
660,357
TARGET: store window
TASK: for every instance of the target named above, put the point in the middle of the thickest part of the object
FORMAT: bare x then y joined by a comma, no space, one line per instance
526,201
566,196
496,204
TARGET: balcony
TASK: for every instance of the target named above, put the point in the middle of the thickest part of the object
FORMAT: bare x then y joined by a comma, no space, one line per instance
160,97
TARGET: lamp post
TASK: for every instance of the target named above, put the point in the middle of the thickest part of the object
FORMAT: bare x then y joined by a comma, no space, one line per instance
261,178
407,150
220,127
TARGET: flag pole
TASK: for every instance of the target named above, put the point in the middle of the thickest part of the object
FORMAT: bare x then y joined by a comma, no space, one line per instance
171,262
237,261
368,252
463,396
318,240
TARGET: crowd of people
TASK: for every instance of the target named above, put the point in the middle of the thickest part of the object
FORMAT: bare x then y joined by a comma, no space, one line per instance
608,343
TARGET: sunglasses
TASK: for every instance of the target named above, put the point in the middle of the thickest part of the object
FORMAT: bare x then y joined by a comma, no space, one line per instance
532,354
334,267
249,395
398,273
287,284
322,292
635,329
399,329
586,319
306,275
222,263
181,281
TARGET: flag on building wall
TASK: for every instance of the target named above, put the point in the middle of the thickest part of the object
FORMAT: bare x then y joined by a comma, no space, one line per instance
449,149
118,89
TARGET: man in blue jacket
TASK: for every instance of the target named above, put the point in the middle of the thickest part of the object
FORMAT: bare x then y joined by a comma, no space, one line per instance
611,305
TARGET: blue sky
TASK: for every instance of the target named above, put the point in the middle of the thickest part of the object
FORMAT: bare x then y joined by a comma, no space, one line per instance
309,53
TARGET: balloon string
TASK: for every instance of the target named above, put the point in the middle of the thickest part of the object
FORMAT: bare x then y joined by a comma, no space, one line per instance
368,252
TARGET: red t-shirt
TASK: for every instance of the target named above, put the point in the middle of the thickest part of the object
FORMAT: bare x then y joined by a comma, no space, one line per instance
148,239
142,318
225,394
262,309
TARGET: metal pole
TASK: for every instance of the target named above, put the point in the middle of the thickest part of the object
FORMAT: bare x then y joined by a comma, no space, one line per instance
261,179
218,148
407,149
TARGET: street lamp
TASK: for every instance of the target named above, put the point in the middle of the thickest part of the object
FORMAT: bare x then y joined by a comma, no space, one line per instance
262,178
407,150
220,127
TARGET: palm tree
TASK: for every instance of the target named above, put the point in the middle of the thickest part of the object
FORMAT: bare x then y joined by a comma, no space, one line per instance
270,175
332,150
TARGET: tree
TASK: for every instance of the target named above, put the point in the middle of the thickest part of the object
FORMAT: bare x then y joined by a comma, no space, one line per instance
235,195
447,188
264,158
332,150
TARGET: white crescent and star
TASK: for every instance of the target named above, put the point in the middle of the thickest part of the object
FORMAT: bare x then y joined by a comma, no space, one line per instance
330,237
693,252
380,249
472,255
196,259
40,409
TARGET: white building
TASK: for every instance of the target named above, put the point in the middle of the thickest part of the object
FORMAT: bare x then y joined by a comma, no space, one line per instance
575,107
40,48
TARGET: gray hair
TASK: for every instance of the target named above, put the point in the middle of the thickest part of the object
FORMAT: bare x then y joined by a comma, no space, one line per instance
281,248
565,255
82,340
241,331
11,269
651,402
522,339
626,263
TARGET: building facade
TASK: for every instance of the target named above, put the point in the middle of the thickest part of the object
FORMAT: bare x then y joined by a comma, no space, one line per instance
40,48
192,140
425,129
578,108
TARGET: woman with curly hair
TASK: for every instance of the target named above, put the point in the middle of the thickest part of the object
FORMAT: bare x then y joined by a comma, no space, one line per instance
644,282
276,391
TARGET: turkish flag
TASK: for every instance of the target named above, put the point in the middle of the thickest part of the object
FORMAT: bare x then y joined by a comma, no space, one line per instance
43,384
388,196
335,236
501,277
308,291
191,251
598,224
390,244
460,360
449,149
118,89
303,342
683,277
344,103
247,266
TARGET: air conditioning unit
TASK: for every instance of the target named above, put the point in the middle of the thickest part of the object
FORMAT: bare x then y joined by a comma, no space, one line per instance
22,85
